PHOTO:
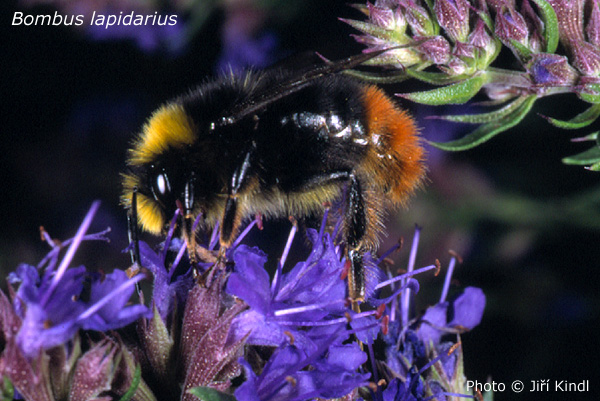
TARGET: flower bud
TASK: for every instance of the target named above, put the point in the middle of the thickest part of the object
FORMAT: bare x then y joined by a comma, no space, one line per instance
463,60
384,17
456,66
435,49
94,371
570,20
593,25
586,58
535,27
510,25
551,70
453,16
487,47
419,20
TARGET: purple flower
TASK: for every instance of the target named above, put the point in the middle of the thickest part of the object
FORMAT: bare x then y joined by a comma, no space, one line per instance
109,296
413,346
461,314
287,376
411,389
169,290
54,307
312,293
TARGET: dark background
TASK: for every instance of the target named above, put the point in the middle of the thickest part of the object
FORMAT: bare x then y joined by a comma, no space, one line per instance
522,220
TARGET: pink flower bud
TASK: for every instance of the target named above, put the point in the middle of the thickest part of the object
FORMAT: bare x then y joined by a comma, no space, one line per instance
551,70
435,49
510,25
453,16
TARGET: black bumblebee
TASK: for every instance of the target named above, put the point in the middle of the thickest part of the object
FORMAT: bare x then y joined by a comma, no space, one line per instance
278,144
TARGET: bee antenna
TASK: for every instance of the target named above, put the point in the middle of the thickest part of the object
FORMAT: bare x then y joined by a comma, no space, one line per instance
293,85
132,228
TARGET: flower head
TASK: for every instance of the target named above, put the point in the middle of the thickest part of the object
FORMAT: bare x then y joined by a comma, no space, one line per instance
312,293
42,355
333,373
458,59
294,336
54,306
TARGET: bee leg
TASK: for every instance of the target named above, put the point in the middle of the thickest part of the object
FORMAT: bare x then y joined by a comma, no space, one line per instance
231,217
355,221
230,221
132,229
133,233
188,220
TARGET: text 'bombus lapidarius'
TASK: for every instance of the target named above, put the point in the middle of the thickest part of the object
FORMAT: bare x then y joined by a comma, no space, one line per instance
278,144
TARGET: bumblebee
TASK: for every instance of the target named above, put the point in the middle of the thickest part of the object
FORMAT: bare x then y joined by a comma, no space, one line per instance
278,144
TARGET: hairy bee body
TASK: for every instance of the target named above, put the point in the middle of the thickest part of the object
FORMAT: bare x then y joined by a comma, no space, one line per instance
260,143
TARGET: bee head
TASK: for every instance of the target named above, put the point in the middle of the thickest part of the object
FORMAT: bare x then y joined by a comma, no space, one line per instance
157,168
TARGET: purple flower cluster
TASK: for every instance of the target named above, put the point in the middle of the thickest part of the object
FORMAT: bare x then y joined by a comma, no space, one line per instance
52,307
455,44
231,329
301,313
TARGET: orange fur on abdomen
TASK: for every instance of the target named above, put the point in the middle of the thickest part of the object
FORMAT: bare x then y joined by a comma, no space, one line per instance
396,161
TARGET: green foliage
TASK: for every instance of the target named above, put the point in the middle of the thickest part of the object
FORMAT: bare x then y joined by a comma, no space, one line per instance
461,65
579,121
210,394
458,93
135,383
492,128
590,157
8,391
550,25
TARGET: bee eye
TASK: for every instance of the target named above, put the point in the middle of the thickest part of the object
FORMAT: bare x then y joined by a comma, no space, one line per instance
161,187
162,184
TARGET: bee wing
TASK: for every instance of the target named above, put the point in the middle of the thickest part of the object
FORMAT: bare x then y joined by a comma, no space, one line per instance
291,85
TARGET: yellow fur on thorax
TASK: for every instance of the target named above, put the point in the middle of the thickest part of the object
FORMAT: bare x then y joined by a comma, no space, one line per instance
168,127
150,216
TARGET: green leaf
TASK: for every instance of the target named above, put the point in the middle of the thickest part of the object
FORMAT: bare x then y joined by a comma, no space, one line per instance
594,136
579,121
457,93
486,18
8,391
377,31
489,130
550,25
590,156
137,378
434,78
379,77
590,93
210,394
483,118
595,167
524,52
436,25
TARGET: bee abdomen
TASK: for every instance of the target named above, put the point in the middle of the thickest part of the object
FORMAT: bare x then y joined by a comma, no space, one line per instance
395,162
